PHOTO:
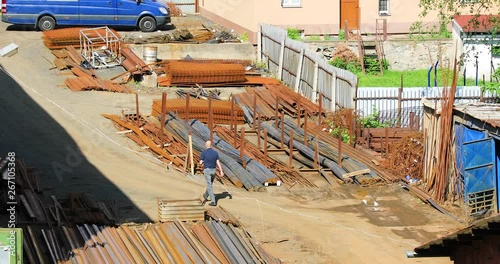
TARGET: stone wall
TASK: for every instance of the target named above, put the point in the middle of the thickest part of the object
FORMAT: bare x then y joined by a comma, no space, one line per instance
401,54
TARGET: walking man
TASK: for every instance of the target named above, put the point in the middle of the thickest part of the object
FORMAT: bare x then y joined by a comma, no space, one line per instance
210,160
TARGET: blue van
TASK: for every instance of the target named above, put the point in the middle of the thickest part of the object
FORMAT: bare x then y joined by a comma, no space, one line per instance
147,15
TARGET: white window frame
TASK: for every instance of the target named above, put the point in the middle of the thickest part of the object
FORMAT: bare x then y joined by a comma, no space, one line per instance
291,3
384,12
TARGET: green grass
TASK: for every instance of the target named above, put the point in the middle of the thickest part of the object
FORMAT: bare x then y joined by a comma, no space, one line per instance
415,78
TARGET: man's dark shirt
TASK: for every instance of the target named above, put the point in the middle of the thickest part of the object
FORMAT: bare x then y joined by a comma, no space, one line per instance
209,157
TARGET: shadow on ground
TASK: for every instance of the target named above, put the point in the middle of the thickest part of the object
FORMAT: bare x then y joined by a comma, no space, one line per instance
42,143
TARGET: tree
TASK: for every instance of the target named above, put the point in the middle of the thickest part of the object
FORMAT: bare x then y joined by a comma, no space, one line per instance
447,9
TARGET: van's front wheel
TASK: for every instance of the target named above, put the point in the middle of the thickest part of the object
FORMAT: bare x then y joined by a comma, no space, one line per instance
46,23
147,24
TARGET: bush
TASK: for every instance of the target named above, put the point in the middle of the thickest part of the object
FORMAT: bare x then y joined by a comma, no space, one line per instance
344,58
293,33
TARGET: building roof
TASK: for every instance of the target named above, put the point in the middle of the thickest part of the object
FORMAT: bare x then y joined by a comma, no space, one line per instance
446,245
488,113
475,23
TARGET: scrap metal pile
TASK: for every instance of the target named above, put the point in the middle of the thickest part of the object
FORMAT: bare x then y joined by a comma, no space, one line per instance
406,157
67,37
189,73
82,229
170,242
198,109
271,97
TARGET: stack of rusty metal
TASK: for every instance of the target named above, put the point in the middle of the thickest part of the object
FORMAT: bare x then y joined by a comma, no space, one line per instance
170,242
286,173
64,37
380,139
181,73
199,108
86,79
265,100
163,145
132,63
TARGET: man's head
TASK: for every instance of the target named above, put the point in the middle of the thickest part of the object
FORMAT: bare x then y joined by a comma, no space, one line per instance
208,144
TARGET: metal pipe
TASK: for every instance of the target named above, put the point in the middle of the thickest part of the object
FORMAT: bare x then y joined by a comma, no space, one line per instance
137,109
290,159
242,147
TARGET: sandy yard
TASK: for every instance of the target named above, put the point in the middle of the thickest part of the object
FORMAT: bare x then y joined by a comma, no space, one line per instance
53,128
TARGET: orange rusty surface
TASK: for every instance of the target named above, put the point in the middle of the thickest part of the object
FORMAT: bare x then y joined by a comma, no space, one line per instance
198,109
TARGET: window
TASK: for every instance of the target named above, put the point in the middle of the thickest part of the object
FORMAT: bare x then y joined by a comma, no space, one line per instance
383,7
290,3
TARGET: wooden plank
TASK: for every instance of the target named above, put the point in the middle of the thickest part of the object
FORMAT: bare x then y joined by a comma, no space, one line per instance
355,173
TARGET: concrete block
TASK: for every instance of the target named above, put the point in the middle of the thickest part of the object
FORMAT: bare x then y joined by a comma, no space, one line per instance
150,80
8,50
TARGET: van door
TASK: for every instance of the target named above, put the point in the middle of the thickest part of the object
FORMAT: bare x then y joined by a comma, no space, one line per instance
128,12
98,12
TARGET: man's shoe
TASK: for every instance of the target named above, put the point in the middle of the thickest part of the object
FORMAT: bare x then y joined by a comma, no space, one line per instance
212,204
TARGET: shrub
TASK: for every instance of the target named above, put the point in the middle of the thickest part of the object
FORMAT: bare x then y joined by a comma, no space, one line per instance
341,34
346,59
293,33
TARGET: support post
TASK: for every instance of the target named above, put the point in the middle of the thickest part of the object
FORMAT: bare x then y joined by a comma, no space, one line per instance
315,82
334,92
163,111
320,115
242,147
265,147
137,110
259,44
191,158
188,99
233,120
290,143
298,113
386,141
316,152
339,162
299,71
282,59
412,119
276,112
258,131
254,111
282,130
400,98
306,115
210,118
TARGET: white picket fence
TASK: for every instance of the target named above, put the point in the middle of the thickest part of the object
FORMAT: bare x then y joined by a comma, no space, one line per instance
387,101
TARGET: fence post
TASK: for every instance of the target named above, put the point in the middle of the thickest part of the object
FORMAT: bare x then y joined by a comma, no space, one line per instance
400,97
282,59
315,83
259,44
334,91
299,71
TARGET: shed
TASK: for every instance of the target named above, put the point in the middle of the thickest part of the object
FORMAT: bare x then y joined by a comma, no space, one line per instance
476,156
477,243
474,39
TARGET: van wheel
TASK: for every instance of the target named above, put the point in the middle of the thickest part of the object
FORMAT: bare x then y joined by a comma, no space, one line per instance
46,23
147,24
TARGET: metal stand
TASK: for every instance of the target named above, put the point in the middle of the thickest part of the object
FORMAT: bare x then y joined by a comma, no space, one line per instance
100,47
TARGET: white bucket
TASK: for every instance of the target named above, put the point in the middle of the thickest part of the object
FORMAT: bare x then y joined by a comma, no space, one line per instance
150,54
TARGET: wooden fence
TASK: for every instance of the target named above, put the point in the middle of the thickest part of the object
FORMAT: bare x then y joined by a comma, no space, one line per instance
304,70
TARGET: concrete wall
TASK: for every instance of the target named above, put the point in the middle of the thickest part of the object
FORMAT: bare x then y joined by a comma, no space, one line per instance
401,54
239,51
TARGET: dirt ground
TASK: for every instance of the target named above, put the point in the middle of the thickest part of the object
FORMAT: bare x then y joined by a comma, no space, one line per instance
62,133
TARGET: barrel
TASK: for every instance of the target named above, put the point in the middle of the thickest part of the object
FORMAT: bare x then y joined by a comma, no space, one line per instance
150,54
